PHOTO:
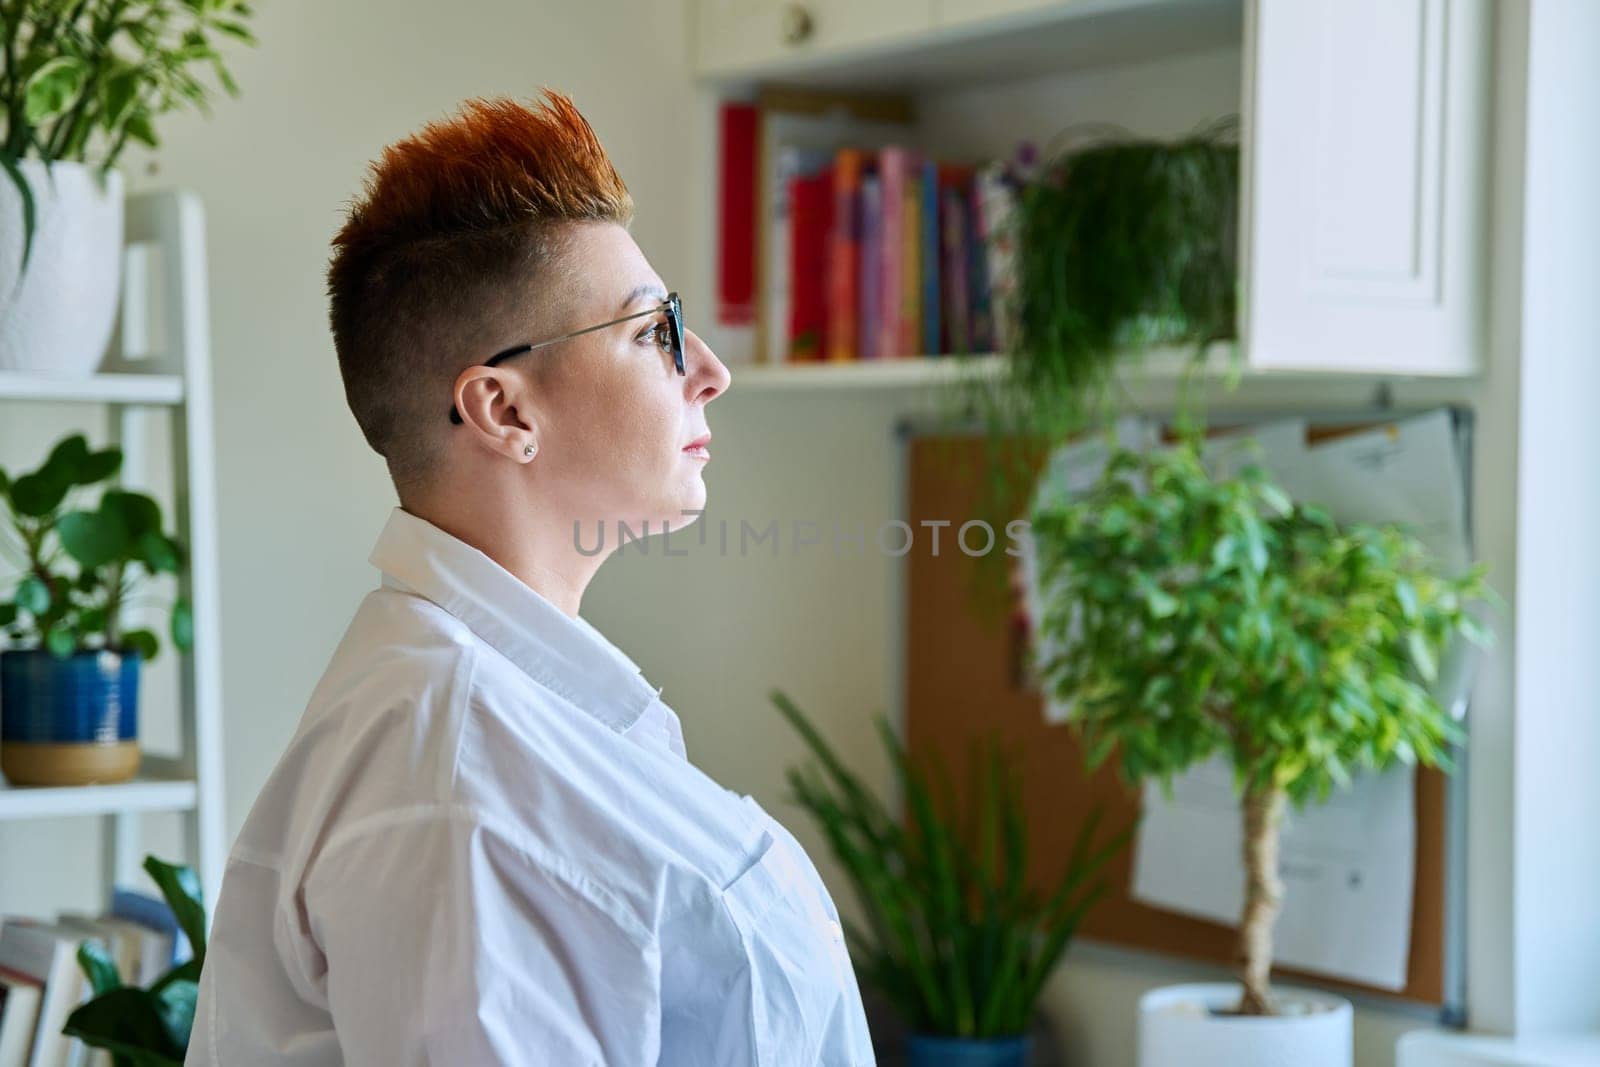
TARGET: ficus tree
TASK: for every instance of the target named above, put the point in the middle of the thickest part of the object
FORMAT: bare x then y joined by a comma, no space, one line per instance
1185,616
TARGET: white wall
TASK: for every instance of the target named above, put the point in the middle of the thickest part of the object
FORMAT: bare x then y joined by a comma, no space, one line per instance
301,497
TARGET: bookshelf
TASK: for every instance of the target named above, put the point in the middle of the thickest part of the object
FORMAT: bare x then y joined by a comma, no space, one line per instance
158,367
1363,198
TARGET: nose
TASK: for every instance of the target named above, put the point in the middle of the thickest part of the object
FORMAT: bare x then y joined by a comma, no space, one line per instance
706,376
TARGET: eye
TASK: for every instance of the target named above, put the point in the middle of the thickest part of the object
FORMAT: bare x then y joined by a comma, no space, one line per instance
658,334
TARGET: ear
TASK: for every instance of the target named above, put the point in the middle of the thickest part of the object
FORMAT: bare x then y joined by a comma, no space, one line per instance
495,402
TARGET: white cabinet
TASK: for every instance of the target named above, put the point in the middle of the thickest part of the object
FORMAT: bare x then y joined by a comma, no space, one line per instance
1365,137
968,12
1366,125
733,37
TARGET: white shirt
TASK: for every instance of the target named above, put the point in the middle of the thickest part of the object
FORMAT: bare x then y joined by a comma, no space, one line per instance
484,845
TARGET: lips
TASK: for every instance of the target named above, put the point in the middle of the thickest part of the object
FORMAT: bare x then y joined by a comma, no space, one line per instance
697,447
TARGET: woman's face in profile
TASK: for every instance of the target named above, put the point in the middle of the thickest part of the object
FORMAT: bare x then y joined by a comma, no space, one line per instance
615,419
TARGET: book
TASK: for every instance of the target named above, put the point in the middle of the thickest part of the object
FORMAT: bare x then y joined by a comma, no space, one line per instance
48,953
869,269
908,309
997,199
810,225
736,247
955,276
20,995
155,914
981,325
929,260
844,260
779,280
142,954
894,164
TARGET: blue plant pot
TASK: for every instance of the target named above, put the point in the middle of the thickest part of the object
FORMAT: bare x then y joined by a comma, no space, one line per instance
72,721
927,1050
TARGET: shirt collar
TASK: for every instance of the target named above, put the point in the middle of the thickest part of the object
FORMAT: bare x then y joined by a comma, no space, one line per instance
562,653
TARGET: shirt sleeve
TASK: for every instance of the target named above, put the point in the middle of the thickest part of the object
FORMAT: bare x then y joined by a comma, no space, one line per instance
448,943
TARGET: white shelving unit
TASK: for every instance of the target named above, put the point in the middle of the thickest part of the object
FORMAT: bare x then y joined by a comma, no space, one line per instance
160,366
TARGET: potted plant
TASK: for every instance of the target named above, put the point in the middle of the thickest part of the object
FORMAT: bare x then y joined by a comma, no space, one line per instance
69,694
1120,243
146,1027
1193,616
954,938
81,79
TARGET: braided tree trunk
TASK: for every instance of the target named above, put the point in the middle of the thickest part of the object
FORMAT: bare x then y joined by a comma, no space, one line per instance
1263,897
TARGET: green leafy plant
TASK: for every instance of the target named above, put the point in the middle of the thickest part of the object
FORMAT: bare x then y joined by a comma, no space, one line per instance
84,77
1188,616
113,548
954,936
1121,243
146,1027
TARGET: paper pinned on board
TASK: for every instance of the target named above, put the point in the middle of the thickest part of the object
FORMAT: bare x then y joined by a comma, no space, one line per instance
1347,868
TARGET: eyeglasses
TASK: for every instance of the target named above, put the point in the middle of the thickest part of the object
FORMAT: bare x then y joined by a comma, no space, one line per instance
673,327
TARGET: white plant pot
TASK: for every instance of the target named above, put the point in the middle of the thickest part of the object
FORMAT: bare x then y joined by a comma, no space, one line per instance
1179,1027
58,321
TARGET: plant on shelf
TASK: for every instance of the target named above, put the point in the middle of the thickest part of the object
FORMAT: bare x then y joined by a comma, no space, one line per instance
71,675
82,81
146,1027
1120,243
83,78
955,937
1188,616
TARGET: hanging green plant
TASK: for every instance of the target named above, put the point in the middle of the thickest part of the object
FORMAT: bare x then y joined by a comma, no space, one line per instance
1120,244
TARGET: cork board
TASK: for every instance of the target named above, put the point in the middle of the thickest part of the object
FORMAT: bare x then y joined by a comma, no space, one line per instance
963,682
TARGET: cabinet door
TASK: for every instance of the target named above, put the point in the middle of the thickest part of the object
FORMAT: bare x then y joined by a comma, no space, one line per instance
735,36
1364,192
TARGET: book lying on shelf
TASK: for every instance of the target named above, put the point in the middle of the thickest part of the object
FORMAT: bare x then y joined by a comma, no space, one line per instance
141,954
19,1015
154,914
48,954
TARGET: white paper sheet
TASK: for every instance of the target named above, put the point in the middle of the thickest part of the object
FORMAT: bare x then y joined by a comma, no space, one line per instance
1346,868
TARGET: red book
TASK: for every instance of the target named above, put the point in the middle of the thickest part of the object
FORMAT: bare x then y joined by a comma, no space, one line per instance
736,252
844,254
810,230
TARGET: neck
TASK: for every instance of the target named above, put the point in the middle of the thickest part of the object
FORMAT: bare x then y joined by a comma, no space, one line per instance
538,548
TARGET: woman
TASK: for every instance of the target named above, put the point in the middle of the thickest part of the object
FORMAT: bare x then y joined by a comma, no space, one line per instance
484,844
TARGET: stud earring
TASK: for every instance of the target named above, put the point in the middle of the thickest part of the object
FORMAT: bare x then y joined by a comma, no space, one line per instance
530,450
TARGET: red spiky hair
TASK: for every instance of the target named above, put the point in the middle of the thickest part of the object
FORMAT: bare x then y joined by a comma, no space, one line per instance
449,234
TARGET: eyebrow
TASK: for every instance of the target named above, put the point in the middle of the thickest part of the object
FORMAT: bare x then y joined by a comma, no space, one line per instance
648,289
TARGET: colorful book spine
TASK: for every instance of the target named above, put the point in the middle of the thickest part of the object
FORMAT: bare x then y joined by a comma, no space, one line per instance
811,225
870,267
928,261
736,259
908,334
845,257
997,197
956,276
894,163
978,274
